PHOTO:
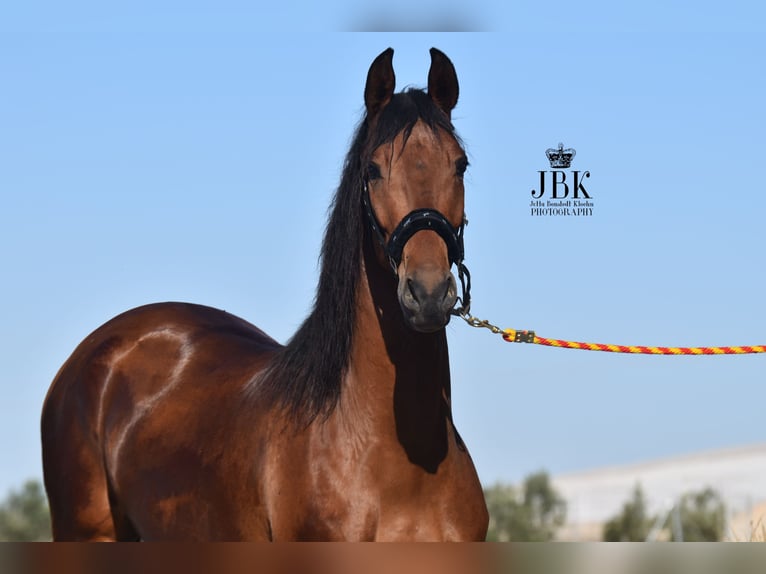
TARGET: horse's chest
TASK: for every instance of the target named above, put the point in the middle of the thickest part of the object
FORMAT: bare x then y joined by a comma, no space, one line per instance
409,505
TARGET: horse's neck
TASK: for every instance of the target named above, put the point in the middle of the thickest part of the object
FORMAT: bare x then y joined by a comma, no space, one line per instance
398,380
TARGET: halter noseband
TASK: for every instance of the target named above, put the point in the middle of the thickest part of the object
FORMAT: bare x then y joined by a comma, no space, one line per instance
420,220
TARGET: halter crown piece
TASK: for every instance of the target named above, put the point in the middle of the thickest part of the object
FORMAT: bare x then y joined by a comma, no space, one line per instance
419,220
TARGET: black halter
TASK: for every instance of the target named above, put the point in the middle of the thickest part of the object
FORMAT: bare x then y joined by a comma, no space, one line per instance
420,220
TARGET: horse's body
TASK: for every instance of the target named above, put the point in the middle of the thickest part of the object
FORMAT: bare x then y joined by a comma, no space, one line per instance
181,422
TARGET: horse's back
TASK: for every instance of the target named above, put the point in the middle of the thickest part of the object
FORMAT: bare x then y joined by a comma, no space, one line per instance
132,395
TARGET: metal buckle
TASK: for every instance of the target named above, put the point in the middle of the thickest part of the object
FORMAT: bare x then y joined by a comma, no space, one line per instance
524,337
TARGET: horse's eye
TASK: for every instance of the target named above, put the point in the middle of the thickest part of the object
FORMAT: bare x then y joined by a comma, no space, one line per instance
460,166
373,171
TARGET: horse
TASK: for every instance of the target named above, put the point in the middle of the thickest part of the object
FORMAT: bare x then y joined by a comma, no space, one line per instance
176,421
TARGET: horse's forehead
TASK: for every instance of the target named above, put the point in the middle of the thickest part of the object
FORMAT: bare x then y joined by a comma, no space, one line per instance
424,141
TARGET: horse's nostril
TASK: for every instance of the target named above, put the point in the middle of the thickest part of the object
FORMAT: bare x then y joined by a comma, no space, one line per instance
412,295
451,292
412,289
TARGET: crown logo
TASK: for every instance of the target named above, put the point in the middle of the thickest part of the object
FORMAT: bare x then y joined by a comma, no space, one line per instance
560,157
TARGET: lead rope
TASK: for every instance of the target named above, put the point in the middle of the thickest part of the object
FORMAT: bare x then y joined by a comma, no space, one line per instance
518,336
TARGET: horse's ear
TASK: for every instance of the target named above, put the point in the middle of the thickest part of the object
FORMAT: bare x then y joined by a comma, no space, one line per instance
380,83
442,81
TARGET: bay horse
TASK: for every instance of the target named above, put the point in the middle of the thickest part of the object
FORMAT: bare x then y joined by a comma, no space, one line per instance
176,421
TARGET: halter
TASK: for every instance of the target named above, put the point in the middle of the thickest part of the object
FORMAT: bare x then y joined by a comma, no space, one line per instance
420,220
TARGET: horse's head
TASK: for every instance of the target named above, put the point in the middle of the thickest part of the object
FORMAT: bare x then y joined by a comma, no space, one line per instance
414,187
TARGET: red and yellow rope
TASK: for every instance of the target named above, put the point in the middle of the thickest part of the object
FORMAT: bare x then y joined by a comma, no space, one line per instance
513,336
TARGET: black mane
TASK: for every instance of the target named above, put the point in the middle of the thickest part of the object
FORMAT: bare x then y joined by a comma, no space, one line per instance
306,375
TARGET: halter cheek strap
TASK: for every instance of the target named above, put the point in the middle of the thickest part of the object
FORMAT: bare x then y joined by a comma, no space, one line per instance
420,220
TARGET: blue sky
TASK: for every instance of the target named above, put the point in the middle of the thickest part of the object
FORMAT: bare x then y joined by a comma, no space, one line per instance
190,153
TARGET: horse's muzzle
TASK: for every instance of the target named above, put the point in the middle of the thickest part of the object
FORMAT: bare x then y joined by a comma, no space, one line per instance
427,299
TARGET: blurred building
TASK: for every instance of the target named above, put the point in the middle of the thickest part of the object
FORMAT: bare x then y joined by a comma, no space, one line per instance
737,474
